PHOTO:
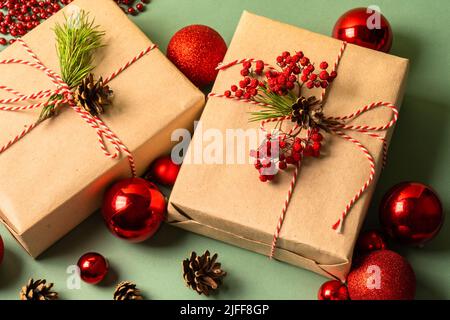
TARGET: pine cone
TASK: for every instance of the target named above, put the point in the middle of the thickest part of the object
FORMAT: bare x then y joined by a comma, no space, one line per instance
38,290
304,113
93,96
202,273
127,290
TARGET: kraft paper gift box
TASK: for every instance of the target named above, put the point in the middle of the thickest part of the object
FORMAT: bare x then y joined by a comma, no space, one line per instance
55,177
227,201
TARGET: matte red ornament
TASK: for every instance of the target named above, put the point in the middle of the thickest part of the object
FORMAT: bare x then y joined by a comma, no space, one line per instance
197,50
366,28
370,241
411,213
333,290
2,249
381,275
93,267
164,171
133,209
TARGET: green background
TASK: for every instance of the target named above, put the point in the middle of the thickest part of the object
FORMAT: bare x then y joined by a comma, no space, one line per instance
420,152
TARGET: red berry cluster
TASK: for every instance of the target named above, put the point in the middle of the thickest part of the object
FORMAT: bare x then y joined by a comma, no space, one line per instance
320,79
248,87
274,154
128,6
20,16
295,69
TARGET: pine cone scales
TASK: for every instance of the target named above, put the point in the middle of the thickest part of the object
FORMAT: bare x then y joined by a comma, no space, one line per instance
38,290
93,96
202,273
127,290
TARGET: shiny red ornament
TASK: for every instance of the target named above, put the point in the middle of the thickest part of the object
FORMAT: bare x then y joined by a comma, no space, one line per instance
93,267
163,171
381,275
370,241
197,50
333,290
2,250
366,28
411,213
133,209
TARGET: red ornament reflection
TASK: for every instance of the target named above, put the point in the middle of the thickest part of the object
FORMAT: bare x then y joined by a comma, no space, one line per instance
353,27
133,209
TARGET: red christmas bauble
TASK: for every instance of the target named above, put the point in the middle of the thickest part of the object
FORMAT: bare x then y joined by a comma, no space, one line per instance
366,28
197,50
411,213
2,249
164,171
93,267
381,275
333,290
133,209
370,241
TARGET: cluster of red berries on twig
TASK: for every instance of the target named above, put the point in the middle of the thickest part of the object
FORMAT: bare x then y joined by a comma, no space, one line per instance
128,6
276,153
296,69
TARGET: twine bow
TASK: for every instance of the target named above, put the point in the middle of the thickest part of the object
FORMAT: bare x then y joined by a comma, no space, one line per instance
336,126
63,90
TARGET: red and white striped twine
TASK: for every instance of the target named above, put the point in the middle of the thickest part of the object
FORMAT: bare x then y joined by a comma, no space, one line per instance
102,130
336,129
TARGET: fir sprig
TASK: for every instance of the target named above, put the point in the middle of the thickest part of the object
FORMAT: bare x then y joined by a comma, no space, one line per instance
277,105
76,40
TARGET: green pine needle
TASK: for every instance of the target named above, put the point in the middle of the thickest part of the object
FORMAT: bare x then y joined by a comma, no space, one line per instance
76,39
278,106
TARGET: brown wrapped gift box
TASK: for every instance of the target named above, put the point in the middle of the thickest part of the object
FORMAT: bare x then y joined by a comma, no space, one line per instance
55,177
227,202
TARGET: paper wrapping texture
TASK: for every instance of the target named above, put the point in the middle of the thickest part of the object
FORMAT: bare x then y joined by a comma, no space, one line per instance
55,176
228,202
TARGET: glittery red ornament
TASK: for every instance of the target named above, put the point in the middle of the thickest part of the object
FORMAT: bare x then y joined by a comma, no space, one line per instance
370,241
2,249
164,171
333,290
93,267
381,275
366,28
133,209
197,50
411,213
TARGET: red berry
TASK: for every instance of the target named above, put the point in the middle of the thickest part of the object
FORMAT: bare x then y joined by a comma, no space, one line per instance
3,41
239,93
323,65
260,64
130,10
313,77
282,165
263,178
316,146
270,177
140,7
324,75
316,137
234,88
310,84
227,93
324,84
245,72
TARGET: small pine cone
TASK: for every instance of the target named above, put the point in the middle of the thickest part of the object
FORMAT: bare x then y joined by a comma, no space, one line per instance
202,273
127,290
38,290
93,96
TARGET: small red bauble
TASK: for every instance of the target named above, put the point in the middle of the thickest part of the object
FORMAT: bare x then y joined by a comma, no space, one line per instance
366,28
2,249
93,267
370,241
164,171
411,213
132,209
381,275
333,290
197,50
